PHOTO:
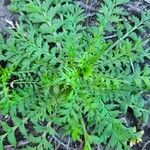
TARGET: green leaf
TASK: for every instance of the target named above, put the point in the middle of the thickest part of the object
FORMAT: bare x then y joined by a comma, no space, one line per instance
45,28
138,82
5,126
11,138
119,146
137,113
145,117
37,18
1,144
119,2
112,142
62,68
124,107
13,8
87,146
2,137
94,139
147,82
33,8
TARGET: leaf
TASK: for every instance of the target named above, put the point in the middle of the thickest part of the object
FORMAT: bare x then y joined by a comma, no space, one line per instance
1,141
145,117
52,11
31,7
37,18
17,121
127,26
51,131
63,69
119,2
13,8
1,145
138,82
147,82
39,40
135,19
112,142
119,146
134,36
44,28
94,139
5,126
137,113
23,130
11,138
87,146
76,133
124,107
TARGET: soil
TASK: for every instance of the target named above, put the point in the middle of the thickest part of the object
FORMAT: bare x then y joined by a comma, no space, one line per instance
134,7
5,15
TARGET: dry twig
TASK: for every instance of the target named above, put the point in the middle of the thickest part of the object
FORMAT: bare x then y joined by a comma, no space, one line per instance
20,144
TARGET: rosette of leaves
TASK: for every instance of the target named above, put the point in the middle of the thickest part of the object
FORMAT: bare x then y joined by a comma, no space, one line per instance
64,79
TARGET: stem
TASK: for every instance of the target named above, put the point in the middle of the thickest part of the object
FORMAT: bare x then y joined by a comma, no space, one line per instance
86,136
145,145
122,38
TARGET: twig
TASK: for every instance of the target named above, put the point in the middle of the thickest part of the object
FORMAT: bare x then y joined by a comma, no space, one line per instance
148,142
10,23
63,144
56,139
90,14
132,66
110,37
68,144
133,7
99,147
20,144
8,118
57,146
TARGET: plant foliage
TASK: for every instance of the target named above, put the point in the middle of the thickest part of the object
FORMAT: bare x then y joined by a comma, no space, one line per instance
64,78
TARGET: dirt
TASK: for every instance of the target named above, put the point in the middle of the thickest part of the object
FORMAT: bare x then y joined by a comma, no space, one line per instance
5,15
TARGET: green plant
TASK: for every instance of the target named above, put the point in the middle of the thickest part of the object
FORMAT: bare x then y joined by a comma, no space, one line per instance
67,79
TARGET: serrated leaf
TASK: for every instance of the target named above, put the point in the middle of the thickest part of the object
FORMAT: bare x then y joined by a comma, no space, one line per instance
127,26
119,146
5,126
124,107
135,19
94,139
17,121
137,113
31,7
37,18
1,144
145,117
119,2
134,36
44,28
11,138
147,82
138,82
87,146
2,137
112,143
